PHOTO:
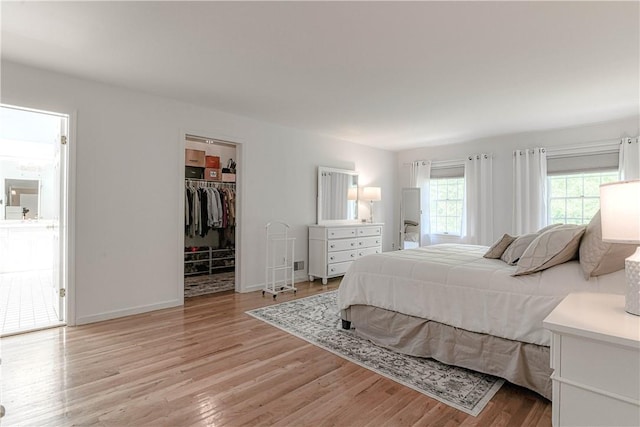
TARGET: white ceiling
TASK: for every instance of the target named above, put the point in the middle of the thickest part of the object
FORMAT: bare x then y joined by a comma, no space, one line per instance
386,74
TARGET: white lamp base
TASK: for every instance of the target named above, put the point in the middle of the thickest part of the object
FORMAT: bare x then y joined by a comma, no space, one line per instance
632,273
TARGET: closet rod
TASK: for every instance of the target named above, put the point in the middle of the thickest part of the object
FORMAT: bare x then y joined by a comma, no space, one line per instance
212,183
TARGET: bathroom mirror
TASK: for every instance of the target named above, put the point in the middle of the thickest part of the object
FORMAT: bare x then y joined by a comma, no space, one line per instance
337,195
22,198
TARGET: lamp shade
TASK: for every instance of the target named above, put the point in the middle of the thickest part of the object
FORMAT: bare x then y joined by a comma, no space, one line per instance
620,211
352,193
372,193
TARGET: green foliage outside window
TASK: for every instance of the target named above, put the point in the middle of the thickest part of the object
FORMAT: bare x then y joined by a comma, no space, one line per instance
575,198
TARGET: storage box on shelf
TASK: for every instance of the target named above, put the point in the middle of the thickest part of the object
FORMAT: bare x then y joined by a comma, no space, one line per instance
212,162
212,174
194,158
333,248
193,172
228,177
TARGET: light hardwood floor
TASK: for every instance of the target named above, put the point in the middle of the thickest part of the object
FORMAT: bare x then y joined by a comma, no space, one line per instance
208,363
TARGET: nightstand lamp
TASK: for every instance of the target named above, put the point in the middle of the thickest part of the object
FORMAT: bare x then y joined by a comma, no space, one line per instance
620,215
372,194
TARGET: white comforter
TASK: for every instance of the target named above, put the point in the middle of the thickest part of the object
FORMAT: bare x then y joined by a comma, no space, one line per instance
453,284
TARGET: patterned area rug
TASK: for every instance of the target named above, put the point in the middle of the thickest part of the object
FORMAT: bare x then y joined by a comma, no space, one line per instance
316,320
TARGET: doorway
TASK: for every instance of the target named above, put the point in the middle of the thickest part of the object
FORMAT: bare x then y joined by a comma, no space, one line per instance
210,216
33,216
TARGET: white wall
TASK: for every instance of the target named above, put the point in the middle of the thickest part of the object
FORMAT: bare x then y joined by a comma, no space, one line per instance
502,148
129,169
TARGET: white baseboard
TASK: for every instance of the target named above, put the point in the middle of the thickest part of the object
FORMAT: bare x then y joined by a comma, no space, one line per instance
83,320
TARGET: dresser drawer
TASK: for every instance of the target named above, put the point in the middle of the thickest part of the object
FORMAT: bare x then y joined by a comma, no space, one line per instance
340,233
369,242
369,251
369,231
341,245
338,268
341,256
597,365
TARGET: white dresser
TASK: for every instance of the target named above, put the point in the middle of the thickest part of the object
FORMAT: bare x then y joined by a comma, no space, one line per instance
332,248
595,355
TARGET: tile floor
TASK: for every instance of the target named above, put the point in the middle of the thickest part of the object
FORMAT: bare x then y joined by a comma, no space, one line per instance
26,301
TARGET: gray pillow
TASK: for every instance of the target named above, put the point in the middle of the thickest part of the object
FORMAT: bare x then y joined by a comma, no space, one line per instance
553,247
515,250
497,249
598,257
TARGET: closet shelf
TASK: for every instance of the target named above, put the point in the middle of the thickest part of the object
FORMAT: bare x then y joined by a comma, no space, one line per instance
206,259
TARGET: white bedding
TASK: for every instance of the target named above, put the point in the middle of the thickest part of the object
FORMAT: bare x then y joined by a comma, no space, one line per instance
453,284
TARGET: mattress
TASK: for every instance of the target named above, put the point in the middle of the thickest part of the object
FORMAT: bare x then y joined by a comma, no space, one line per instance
453,284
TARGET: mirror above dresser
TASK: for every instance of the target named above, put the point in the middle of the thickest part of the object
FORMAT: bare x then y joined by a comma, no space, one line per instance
337,195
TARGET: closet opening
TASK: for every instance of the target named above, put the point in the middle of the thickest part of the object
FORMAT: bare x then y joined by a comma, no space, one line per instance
210,216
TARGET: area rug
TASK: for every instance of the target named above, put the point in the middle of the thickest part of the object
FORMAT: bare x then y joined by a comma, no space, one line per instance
316,319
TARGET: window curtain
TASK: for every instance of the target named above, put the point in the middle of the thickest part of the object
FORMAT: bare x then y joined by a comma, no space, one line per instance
629,163
335,188
529,190
419,177
477,216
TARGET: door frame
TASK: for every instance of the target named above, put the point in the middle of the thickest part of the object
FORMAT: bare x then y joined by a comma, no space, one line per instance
68,209
182,145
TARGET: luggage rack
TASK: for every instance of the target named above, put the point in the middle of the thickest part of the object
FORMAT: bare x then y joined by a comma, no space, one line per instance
279,256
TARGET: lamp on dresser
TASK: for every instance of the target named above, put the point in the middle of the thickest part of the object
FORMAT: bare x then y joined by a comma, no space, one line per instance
620,215
372,194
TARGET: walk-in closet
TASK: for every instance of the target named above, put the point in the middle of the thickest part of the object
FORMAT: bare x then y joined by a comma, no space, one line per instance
209,216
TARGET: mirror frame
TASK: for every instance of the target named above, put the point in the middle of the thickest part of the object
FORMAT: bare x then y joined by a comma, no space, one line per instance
319,203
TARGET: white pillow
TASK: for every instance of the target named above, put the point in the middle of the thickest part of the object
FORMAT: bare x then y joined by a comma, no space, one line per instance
553,247
515,250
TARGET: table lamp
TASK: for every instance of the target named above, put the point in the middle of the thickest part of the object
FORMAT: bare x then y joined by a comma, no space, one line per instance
372,194
620,216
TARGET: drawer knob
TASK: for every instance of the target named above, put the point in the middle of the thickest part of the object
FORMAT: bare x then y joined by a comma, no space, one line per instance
333,246
331,258
351,255
333,269
360,243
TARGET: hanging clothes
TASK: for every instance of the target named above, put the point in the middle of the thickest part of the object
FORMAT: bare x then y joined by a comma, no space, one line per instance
208,207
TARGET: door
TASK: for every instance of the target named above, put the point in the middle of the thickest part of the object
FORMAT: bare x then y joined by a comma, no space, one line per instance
33,229
410,212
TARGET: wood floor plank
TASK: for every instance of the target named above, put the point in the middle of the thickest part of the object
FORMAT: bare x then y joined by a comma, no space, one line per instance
209,363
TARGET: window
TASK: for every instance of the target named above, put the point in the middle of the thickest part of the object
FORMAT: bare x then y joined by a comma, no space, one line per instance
446,197
574,198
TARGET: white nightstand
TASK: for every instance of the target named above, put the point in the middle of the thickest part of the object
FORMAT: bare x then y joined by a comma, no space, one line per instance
595,354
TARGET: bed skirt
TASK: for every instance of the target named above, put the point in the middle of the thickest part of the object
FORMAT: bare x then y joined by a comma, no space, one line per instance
521,363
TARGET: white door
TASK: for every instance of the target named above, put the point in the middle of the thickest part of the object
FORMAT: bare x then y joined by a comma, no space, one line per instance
33,245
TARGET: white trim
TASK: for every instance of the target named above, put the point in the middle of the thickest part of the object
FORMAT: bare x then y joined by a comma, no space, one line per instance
108,315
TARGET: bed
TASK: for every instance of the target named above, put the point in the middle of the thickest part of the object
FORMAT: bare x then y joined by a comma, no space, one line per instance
450,303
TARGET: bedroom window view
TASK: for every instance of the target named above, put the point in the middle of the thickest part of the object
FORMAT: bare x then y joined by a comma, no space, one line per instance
446,198
575,198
